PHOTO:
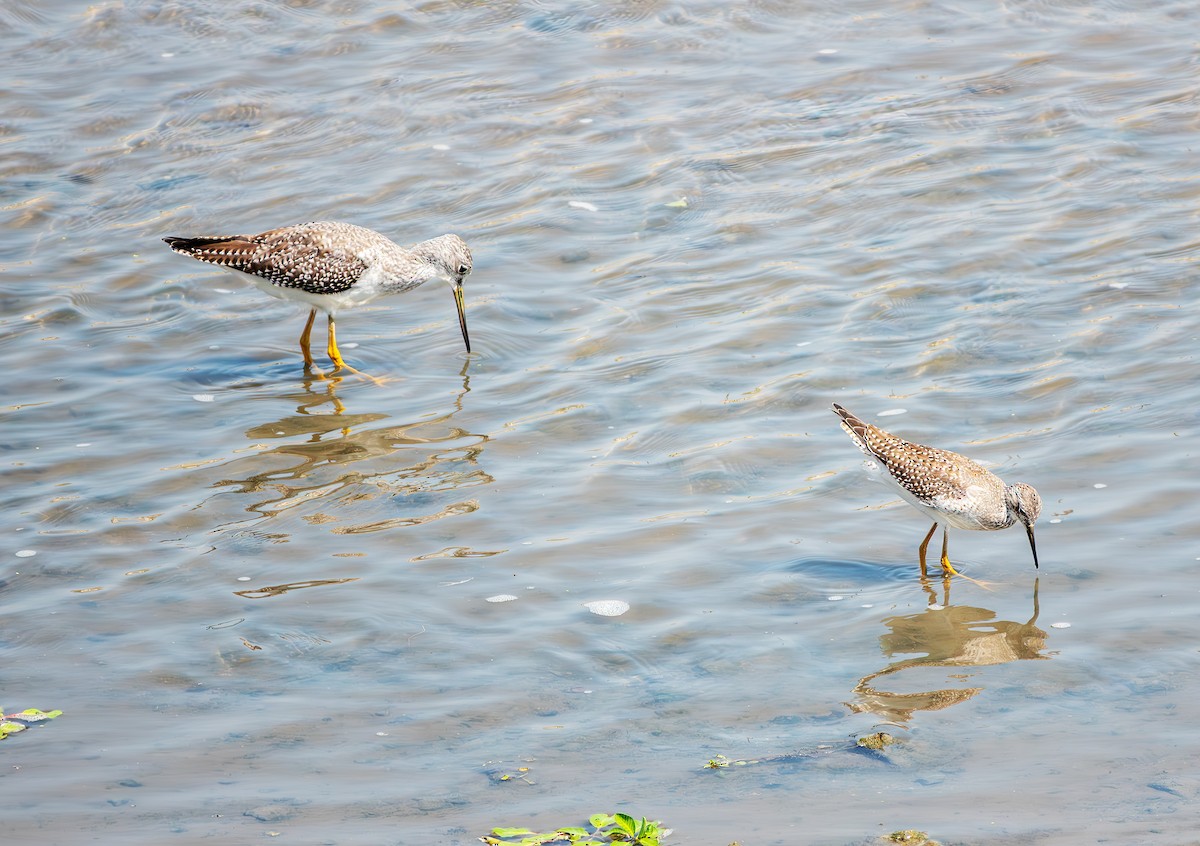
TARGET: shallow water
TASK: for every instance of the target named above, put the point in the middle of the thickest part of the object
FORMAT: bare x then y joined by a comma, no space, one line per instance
262,599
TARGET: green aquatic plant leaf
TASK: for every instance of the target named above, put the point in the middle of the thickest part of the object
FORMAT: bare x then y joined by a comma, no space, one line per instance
627,824
33,715
13,723
7,728
609,828
720,762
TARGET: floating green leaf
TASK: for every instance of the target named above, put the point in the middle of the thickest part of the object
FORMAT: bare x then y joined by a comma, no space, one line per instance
616,828
33,715
13,723
7,728
720,762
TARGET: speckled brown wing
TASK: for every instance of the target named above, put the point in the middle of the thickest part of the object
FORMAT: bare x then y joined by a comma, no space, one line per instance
291,257
928,473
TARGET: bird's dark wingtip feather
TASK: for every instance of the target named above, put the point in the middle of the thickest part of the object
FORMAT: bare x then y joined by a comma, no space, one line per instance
846,414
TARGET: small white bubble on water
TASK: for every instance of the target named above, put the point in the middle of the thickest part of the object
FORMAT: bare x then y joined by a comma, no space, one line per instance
869,605
935,607
243,578
501,597
607,607
580,204
203,397
827,51
88,444
441,147
1056,520
1060,625
222,291
381,734
804,343
26,553
214,346
835,598
586,120
351,345
892,412
1099,485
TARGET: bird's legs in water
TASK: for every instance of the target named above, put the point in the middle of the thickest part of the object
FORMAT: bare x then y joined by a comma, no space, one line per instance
304,338
947,567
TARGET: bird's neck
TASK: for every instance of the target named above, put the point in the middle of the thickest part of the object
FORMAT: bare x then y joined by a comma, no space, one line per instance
1012,502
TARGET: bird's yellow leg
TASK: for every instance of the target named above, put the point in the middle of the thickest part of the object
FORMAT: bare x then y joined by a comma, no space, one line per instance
304,339
924,547
946,566
334,354
336,357
948,569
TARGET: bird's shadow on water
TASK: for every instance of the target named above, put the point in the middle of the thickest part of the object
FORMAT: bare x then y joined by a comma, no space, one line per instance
374,381
234,369
871,577
852,578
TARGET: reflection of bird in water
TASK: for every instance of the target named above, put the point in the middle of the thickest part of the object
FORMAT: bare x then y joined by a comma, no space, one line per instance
951,636
412,472
946,487
332,266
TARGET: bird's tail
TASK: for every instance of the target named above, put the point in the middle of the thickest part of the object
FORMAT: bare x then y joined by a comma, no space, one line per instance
858,430
187,246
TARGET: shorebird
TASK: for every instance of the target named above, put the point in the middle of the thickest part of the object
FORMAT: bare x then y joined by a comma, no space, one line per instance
330,266
949,488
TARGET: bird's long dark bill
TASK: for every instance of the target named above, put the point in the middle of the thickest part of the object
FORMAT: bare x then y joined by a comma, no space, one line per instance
1032,545
462,315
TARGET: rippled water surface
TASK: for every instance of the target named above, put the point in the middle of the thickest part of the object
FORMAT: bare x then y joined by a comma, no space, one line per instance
340,612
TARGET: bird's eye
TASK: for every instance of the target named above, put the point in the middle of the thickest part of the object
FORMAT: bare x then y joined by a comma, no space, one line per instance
463,270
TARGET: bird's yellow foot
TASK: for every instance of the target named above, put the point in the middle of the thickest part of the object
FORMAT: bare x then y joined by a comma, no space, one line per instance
949,571
339,363
378,380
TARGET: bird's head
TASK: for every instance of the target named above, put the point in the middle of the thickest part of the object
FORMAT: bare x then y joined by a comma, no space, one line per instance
1026,506
451,258
448,255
